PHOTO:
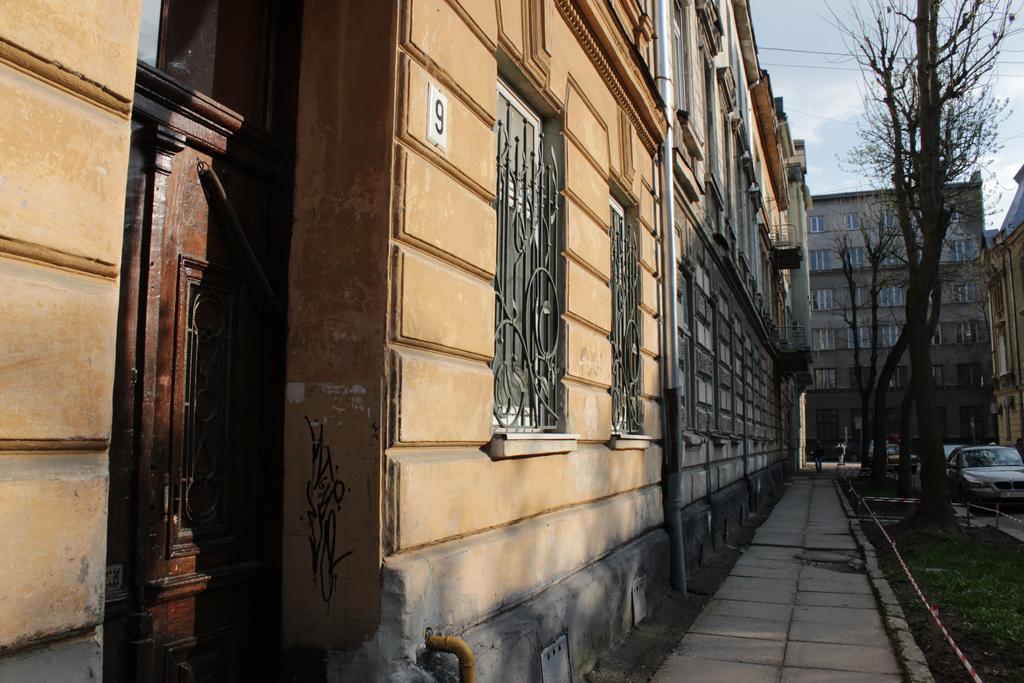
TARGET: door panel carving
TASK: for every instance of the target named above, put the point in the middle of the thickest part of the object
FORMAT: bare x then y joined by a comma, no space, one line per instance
195,526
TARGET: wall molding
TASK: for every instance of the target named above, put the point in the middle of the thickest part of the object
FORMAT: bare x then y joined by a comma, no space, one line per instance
36,445
598,57
62,78
48,256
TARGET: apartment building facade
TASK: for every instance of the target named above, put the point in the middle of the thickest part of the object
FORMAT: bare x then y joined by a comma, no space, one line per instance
1002,258
851,226
317,358
737,172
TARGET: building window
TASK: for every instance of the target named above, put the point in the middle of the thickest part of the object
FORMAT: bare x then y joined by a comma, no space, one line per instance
968,332
898,380
862,340
682,56
855,423
1001,368
816,223
860,296
827,422
961,250
937,337
890,296
819,259
889,218
625,337
824,339
856,257
969,375
824,378
853,377
937,380
996,288
887,335
965,292
821,299
852,222
892,421
892,260
527,334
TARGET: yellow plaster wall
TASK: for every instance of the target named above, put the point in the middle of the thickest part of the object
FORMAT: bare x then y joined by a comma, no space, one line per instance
66,79
441,483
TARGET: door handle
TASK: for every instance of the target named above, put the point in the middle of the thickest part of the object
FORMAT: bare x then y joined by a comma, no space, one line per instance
217,198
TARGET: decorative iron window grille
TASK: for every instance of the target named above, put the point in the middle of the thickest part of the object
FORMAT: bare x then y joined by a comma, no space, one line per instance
627,414
527,337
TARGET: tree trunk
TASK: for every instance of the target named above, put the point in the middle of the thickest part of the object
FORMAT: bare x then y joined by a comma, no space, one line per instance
865,428
906,482
935,509
878,461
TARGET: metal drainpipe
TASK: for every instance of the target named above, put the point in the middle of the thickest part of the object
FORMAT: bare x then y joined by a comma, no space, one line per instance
1012,318
672,397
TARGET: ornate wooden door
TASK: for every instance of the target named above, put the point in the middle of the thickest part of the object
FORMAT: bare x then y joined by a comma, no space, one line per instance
193,585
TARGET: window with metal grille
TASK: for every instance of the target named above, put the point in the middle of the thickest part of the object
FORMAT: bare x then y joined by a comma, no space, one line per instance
528,361
626,407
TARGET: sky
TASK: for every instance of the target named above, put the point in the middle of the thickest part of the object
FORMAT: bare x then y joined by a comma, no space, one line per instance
822,96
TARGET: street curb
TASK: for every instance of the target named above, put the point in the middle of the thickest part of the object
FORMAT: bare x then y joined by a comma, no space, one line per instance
912,659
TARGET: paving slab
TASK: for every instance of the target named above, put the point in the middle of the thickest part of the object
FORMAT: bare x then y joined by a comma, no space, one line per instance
838,615
794,675
846,634
787,572
740,627
738,608
779,539
760,583
678,668
796,607
726,648
829,542
780,597
850,583
859,601
858,658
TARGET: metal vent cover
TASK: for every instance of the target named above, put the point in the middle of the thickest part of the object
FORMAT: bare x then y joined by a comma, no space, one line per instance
554,662
638,593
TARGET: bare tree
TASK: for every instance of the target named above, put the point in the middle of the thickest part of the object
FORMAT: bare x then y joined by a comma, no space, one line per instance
867,254
930,120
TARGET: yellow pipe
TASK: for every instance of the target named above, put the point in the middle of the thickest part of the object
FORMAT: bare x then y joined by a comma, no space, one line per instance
458,647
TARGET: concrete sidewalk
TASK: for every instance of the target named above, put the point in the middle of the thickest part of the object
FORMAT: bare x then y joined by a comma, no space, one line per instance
796,607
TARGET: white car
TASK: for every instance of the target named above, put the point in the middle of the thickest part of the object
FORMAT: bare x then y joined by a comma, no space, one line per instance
986,474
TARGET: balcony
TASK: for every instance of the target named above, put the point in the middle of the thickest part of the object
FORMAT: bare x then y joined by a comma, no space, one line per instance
794,349
787,252
1006,381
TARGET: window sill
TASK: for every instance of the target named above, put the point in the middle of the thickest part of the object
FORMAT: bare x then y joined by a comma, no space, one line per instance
630,442
525,444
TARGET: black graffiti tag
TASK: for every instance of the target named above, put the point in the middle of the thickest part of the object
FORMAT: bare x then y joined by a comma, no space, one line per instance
324,494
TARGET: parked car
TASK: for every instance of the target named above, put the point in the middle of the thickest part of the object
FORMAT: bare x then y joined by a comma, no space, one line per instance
986,474
948,449
892,457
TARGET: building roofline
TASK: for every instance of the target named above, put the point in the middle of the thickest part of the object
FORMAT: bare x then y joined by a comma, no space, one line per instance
871,193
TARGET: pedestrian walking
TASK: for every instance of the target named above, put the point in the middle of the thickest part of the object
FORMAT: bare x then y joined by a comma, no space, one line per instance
842,454
819,455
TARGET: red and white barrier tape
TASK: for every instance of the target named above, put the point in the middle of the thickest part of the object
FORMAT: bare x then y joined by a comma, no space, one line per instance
931,611
1018,520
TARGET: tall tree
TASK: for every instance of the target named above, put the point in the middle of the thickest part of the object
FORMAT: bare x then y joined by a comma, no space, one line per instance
871,286
930,120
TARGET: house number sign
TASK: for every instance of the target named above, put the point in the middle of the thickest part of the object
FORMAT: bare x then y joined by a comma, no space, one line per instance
437,116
